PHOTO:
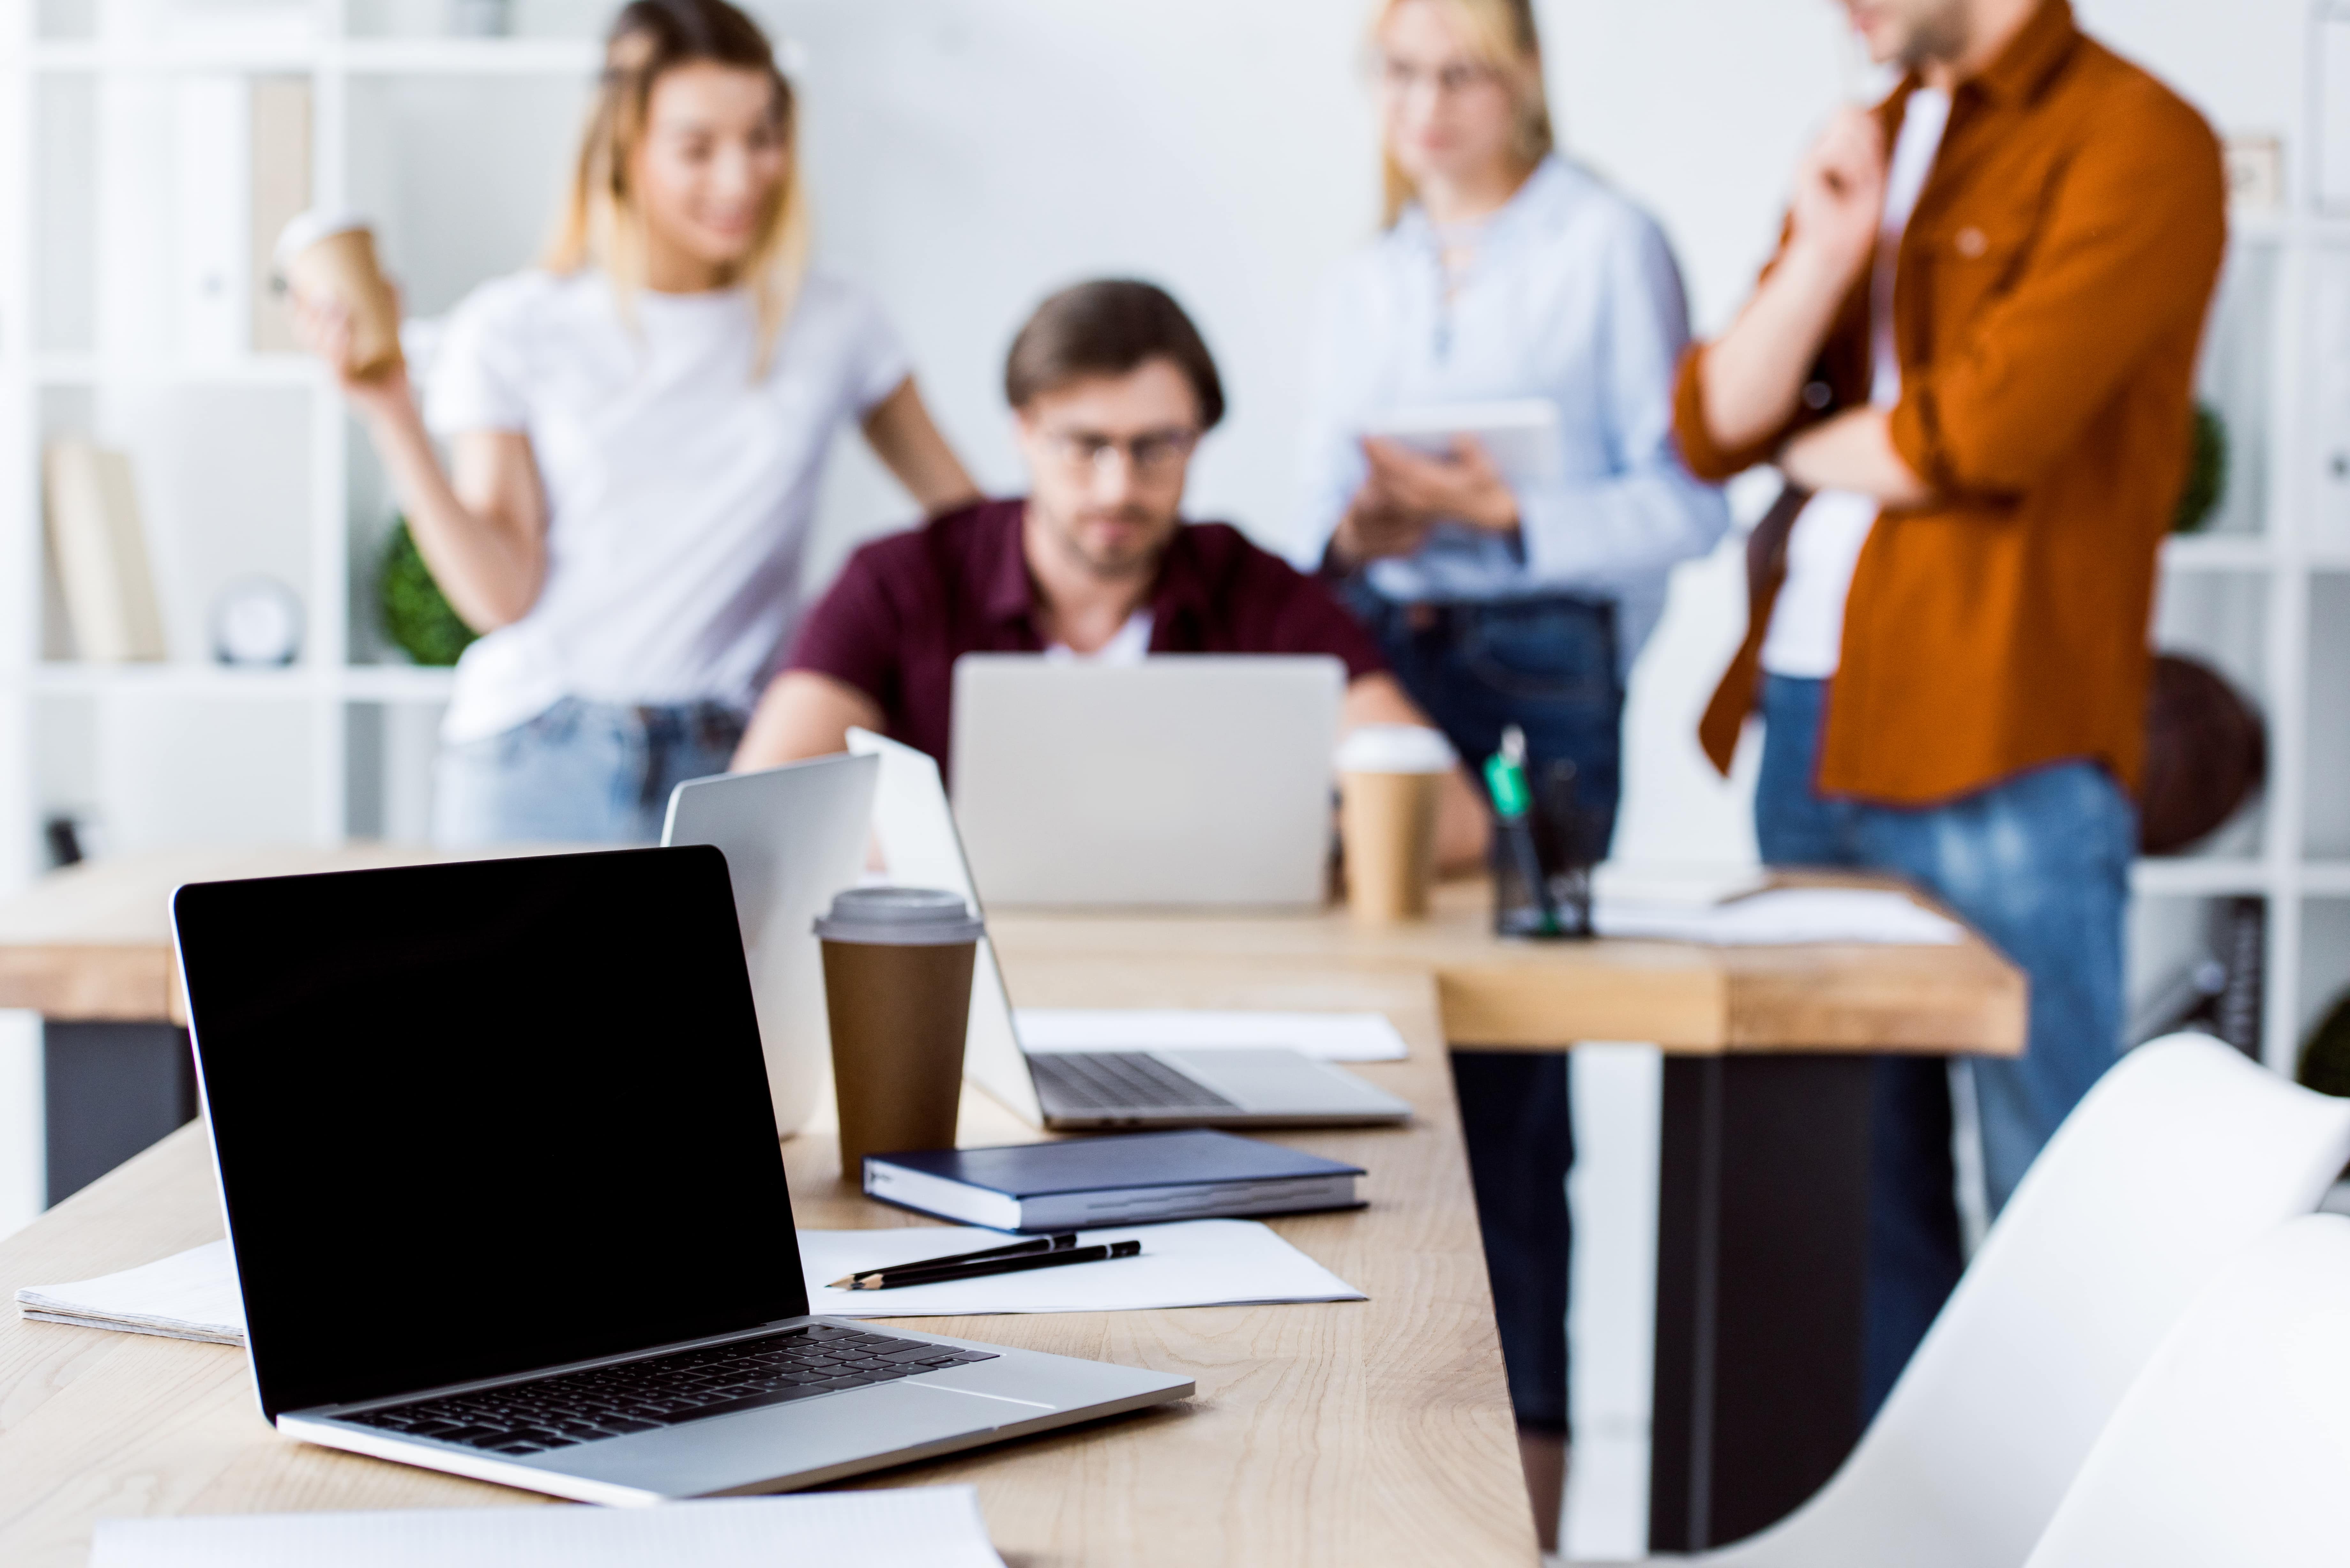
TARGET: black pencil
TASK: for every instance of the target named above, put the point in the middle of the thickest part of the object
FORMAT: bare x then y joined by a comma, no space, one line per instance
1060,1243
891,1279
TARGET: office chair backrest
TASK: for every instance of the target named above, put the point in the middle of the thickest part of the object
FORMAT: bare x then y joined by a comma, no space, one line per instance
2234,1445
2183,1154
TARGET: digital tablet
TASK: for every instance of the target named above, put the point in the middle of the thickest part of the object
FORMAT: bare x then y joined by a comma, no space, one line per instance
1521,434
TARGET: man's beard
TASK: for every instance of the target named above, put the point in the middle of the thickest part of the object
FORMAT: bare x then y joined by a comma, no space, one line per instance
1126,562
1937,34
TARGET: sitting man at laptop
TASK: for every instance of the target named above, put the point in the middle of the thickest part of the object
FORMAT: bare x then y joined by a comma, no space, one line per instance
1111,389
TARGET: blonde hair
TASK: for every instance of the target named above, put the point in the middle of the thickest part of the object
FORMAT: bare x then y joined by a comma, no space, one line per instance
1500,33
603,223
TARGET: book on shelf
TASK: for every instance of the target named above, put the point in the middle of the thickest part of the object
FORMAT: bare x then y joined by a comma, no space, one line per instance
100,550
2220,991
280,192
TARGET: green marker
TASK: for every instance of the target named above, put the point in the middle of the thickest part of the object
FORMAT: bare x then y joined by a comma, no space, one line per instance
1505,778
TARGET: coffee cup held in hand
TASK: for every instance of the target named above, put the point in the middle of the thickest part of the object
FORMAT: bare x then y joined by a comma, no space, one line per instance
1389,777
897,986
330,257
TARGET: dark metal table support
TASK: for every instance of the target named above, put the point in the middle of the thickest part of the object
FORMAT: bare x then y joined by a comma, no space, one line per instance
1763,1230
109,1090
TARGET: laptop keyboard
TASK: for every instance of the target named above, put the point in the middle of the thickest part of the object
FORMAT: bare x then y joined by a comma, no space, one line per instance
1116,1081
666,1390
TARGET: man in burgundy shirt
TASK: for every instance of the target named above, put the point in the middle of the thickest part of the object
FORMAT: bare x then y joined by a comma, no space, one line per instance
1111,388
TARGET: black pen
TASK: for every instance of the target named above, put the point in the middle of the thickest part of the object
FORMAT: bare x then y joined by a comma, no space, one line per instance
890,1279
1060,1243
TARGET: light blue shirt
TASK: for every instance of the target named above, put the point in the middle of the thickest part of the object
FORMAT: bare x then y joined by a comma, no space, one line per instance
1572,296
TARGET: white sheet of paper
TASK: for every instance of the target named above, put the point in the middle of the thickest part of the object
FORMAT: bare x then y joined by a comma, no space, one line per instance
1329,1036
1785,916
1681,884
905,1527
1191,1262
188,1296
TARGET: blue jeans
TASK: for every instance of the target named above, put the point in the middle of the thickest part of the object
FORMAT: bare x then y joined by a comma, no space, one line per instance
580,772
1547,666
2040,865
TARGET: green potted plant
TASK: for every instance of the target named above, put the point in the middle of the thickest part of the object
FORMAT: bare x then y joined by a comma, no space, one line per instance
416,614
2206,473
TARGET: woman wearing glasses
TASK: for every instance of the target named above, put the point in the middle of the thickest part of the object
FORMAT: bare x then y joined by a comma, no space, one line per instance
637,434
1505,596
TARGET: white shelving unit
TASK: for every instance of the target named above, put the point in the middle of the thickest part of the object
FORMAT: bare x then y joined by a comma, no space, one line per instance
2266,597
454,147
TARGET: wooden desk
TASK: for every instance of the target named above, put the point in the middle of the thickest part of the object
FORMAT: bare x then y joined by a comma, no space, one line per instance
1342,1433
1765,1158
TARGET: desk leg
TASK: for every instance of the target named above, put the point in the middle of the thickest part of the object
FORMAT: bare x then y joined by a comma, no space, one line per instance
109,1090
1763,1230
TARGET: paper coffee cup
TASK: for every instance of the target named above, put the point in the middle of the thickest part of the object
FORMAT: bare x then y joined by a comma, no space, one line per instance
331,255
897,989
1388,776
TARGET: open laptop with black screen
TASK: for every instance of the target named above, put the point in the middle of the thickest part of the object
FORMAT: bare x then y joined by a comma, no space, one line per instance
503,1185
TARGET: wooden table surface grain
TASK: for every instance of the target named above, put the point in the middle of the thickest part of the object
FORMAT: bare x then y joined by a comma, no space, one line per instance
1354,1433
94,943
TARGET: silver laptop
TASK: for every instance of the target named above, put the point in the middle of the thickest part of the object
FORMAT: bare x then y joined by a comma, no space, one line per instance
792,837
1198,779
503,1189
1223,1086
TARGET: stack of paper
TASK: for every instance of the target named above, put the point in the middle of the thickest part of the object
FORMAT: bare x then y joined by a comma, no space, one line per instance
1784,916
1330,1036
1199,1262
1194,1263
908,1527
188,1295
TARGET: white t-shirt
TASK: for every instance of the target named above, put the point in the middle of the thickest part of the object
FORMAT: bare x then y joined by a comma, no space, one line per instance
1128,646
678,490
1806,635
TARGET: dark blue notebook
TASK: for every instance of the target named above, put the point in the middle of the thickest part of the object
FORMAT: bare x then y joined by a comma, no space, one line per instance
1081,1183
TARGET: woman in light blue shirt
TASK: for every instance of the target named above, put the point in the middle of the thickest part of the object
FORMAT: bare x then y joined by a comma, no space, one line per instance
1504,597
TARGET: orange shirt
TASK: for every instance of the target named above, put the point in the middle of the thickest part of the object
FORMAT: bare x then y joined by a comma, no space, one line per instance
2049,296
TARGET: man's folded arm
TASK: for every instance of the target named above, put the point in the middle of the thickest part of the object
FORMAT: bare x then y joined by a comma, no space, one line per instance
804,714
846,651
2130,249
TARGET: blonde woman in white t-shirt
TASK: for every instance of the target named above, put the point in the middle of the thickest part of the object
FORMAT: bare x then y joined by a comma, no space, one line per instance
637,432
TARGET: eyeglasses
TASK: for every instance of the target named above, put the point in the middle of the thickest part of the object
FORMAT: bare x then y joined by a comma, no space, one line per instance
1154,454
1452,79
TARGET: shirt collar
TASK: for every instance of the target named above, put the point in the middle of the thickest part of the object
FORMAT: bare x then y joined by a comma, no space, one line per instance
1009,595
1536,191
2032,57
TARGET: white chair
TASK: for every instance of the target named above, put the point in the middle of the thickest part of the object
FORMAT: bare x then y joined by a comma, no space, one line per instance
2183,1154
2233,1445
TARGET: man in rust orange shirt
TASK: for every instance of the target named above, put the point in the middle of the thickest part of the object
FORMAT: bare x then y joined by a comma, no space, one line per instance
1972,358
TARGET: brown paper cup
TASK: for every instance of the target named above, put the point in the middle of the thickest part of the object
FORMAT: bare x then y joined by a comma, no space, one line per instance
898,1015
897,987
342,266
1388,823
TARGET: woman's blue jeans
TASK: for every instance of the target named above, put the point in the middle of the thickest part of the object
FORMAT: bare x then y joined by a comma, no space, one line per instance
580,772
1547,666
2040,864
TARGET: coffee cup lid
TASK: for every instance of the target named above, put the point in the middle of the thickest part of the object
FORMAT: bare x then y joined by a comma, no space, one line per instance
308,229
899,917
1395,749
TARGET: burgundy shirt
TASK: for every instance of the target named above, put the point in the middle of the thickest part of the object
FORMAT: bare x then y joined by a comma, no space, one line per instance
907,607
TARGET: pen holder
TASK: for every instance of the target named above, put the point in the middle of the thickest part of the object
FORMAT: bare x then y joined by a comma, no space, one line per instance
1568,840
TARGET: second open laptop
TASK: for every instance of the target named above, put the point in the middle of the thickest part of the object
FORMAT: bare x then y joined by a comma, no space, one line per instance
1224,1087
1191,779
506,1196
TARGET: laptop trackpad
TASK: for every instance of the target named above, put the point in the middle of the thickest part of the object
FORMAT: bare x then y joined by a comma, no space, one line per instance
1277,1081
805,1435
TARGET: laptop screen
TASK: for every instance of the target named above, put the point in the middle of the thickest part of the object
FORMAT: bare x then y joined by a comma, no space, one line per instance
485,1118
